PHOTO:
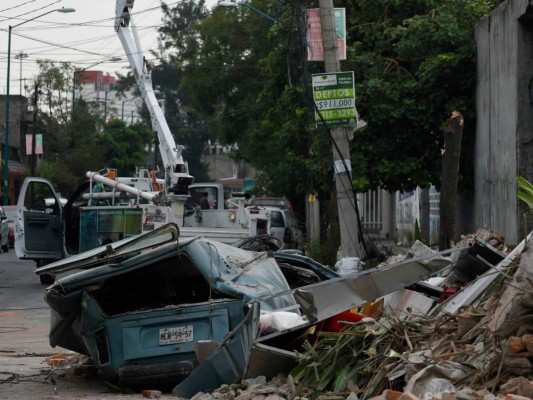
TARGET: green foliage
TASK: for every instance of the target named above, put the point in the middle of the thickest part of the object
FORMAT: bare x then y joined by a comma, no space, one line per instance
72,140
525,191
123,146
414,63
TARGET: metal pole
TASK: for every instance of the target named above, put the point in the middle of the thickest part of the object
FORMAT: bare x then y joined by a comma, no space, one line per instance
34,134
5,198
20,73
122,116
259,12
105,107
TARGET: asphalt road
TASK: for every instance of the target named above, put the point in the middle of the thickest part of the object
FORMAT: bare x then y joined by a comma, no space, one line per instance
19,285
25,372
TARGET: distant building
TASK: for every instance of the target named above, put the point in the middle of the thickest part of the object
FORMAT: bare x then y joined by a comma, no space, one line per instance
99,90
19,122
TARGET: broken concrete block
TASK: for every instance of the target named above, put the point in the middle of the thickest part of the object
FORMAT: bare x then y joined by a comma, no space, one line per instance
389,394
151,394
244,396
201,396
408,396
448,396
514,397
516,345
518,365
519,385
528,342
467,394
485,394
274,397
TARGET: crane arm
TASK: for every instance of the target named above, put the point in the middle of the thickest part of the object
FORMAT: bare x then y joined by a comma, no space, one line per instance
177,178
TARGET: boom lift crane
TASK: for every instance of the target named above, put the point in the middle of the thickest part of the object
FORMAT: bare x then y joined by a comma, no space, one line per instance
177,178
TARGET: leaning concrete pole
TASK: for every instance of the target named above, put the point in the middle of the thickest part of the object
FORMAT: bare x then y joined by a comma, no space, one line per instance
351,245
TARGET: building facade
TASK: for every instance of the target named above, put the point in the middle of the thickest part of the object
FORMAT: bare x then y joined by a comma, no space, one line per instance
99,90
19,126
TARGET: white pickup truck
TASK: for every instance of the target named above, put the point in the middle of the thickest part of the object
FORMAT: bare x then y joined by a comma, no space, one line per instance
49,231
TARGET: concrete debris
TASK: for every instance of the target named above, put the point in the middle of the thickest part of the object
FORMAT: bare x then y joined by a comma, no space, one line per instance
513,313
280,387
481,352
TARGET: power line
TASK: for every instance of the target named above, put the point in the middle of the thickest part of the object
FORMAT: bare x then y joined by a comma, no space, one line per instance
20,5
29,12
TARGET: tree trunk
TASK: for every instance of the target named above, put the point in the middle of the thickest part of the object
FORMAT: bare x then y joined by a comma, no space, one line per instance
449,178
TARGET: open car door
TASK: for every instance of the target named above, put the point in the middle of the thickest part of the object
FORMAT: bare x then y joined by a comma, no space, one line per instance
38,229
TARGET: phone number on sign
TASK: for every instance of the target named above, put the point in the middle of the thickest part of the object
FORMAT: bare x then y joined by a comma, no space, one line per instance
339,113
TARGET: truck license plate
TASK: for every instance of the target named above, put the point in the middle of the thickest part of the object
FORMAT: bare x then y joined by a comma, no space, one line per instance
180,334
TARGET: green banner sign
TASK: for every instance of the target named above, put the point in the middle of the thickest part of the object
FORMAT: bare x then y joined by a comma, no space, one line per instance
334,96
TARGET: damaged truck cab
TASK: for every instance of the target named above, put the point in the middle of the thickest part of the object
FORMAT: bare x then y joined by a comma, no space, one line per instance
150,308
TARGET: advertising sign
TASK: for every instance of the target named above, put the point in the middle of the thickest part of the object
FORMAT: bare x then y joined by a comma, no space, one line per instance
315,45
38,144
334,96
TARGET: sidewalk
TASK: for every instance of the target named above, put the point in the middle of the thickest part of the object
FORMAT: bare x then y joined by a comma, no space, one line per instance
25,372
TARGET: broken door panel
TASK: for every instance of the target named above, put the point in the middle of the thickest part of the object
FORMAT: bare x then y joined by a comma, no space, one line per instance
39,234
228,362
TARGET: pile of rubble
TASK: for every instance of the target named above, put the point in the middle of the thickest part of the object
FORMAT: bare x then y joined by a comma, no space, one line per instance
483,350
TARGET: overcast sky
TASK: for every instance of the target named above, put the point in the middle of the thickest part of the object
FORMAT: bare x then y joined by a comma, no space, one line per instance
84,37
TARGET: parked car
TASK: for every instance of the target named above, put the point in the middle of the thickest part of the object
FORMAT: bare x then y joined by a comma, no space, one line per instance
284,226
277,202
11,214
4,231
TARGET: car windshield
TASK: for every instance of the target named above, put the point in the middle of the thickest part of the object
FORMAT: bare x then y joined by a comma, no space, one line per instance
276,220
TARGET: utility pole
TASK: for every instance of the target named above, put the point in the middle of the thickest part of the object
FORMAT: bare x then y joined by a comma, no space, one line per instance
20,56
351,240
34,134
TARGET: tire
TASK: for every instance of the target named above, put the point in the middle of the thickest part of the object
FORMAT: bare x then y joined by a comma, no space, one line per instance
46,279
6,247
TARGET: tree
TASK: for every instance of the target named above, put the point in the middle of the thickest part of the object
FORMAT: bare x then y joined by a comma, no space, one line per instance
246,81
69,148
414,63
123,147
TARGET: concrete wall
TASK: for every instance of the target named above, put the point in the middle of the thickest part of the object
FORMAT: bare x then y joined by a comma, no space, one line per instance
504,118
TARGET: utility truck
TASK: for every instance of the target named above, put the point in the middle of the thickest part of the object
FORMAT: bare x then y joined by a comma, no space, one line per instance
107,208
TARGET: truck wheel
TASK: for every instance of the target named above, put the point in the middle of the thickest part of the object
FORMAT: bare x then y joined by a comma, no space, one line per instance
46,279
5,248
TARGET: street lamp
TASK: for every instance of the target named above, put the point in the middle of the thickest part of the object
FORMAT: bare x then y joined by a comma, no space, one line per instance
5,198
243,4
